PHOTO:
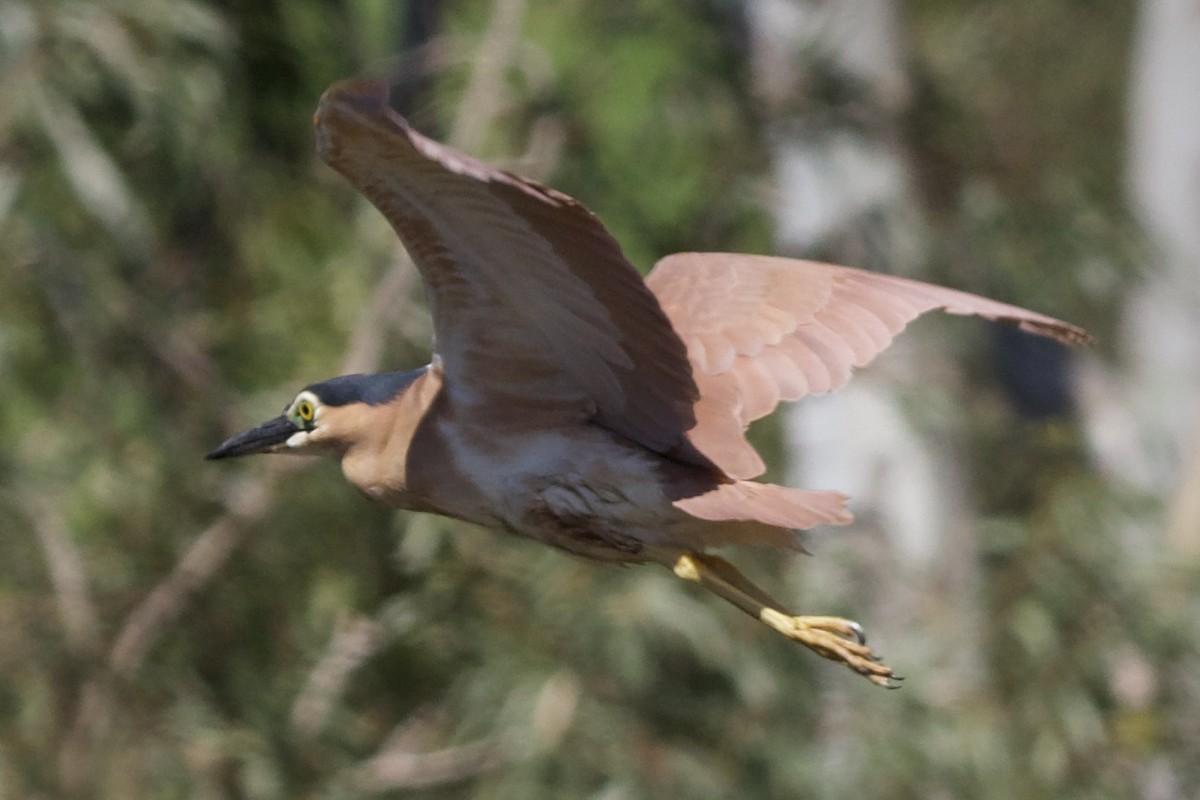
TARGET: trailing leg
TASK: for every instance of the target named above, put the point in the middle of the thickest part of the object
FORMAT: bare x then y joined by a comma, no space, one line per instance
831,637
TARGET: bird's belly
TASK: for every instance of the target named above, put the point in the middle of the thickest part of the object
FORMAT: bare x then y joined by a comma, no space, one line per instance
584,491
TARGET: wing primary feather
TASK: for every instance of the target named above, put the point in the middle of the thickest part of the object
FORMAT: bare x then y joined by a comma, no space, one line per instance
770,329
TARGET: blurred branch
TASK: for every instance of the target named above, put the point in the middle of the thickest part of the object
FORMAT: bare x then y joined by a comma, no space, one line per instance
484,95
67,573
554,709
249,501
366,344
1183,510
397,766
394,769
77,752
547,138
92,174
352,644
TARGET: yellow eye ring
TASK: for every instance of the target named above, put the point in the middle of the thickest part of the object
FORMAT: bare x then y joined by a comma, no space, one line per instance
305,410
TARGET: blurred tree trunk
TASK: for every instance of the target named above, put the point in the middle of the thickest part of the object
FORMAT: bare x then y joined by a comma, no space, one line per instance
1161,446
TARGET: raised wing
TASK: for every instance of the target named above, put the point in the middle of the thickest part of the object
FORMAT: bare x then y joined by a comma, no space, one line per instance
535,309
760,329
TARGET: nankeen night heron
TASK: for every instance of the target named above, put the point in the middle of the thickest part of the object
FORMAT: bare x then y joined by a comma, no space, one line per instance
570,401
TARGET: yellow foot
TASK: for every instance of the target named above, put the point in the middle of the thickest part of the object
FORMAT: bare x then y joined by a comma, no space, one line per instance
836,639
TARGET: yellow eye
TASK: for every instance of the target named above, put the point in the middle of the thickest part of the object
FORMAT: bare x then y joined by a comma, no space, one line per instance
305,410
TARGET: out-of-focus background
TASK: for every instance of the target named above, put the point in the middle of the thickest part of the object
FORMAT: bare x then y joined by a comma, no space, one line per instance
176,263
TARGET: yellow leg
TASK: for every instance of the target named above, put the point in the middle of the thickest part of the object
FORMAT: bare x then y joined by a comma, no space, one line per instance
831,637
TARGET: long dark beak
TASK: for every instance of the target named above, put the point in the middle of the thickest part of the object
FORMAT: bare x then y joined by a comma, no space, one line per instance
263,439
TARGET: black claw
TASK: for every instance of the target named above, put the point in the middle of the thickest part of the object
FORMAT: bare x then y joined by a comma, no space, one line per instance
858,632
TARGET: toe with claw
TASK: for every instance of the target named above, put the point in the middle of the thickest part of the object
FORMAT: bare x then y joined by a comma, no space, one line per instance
836,639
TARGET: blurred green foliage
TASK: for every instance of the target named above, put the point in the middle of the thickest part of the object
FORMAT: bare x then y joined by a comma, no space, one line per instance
176,262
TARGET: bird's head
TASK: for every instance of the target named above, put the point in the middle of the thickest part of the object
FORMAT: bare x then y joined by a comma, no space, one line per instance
325,418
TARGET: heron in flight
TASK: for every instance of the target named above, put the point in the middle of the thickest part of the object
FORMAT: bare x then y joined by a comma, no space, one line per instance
571,402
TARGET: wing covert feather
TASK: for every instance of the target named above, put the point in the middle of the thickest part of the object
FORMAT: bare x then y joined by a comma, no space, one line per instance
762,329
